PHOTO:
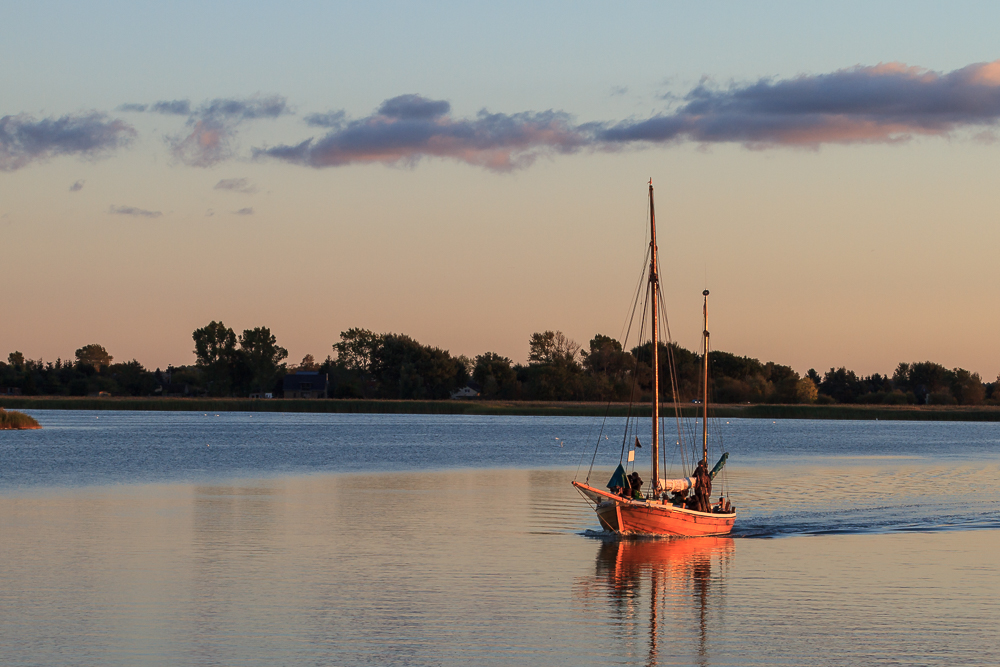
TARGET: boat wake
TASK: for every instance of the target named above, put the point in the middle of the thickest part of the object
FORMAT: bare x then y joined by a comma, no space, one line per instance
874,520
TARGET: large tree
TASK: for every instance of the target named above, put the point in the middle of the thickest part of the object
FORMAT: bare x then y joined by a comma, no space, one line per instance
16,359
552,373
403,368
843,385
606,356
262,355
94,355
356,349
215,351
132,379
550,347
351,375
495,375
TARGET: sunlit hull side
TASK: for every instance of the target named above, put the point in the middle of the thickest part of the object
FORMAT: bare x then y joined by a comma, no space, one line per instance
631,517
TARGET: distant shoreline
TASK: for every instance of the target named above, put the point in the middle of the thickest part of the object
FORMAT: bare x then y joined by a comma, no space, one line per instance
477,407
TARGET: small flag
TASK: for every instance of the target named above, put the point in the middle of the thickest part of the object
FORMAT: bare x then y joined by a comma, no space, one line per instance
631,455
637,443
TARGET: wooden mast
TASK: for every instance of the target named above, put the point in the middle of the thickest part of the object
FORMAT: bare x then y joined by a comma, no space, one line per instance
654,288
704,380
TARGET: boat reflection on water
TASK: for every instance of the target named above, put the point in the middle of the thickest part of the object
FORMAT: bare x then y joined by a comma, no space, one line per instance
675,585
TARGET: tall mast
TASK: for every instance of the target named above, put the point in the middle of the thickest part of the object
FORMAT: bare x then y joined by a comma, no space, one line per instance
704,380
654,288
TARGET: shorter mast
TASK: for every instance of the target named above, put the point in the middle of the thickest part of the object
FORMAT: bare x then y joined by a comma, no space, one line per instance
704,395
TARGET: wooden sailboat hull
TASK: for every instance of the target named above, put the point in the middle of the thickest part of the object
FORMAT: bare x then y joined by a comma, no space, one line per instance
639,517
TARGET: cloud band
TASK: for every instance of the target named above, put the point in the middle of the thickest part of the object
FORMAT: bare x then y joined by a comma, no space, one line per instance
24,140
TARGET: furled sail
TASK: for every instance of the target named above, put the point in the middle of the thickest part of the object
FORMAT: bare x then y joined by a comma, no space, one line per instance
671,485
685,483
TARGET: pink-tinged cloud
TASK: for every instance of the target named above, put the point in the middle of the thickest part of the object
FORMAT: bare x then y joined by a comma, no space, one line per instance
407,128
24,140
209,142
213,126
886,103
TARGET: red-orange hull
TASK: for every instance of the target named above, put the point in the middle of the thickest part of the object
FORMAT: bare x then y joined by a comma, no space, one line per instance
653,518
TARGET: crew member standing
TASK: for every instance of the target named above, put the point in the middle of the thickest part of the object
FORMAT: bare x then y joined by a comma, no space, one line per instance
703,487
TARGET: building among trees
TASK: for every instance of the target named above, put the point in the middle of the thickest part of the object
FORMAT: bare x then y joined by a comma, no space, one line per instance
306,384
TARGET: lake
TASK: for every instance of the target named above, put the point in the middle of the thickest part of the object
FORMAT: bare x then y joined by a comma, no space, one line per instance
130,538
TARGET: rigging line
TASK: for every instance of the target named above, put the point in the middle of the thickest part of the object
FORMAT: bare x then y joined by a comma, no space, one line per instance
716,434
627,329
642,329
630,425
604,422
642,324
638,284
630,315
583,457
672,373
685,426
672,368
583,453
635,305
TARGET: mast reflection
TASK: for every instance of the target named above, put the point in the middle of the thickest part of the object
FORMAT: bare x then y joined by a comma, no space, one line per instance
670,582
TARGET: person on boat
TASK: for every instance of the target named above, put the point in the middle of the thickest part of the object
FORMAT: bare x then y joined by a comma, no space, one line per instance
696,496
636,483
703,487
619,483
678,498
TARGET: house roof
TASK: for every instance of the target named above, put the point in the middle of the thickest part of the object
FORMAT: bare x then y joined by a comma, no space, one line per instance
294,381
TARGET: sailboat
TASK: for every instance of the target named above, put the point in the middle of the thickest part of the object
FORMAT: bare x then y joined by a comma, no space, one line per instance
625,510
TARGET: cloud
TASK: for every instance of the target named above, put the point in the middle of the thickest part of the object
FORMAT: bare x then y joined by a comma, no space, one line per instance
236,185
884,103
251,108
76,187
334,119
244,211
171,108
213,125
131,210
408,128
24,140
166,107
410,107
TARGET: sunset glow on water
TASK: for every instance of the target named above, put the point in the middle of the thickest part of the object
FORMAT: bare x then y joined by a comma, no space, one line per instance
878,560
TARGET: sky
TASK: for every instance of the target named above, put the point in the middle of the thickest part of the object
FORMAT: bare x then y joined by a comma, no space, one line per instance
471,173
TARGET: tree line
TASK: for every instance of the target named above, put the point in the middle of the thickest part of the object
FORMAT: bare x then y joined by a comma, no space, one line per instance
365,364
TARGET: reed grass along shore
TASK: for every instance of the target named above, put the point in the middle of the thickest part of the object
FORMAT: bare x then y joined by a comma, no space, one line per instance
16,421
478,407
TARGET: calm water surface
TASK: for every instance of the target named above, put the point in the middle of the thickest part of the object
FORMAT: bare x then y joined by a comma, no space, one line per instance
268,539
